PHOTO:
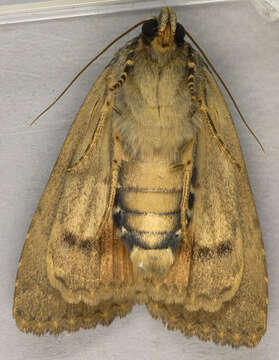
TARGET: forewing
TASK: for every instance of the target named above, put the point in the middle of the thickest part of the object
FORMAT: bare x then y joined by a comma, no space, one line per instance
62,232
217,221
228,283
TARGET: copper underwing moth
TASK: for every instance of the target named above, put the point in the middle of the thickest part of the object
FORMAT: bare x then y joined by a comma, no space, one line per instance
149,202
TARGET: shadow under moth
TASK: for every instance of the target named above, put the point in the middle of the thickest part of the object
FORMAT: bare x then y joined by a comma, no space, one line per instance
149,202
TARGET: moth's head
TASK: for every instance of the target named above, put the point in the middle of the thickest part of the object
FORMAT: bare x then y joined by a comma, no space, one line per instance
163,34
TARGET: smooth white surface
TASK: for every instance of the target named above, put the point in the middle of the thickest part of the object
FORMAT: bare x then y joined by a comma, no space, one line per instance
37,61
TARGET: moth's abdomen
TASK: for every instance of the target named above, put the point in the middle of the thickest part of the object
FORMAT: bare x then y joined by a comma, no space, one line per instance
147,214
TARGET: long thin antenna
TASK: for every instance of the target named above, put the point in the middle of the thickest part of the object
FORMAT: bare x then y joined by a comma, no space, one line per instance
226,88
85,67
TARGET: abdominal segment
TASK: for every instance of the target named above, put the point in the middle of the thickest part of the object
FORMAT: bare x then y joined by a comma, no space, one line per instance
147,215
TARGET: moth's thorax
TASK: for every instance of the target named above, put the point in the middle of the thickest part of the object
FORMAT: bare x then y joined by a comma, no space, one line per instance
155,107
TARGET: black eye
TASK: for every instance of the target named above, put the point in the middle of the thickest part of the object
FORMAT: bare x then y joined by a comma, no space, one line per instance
179,33
150,28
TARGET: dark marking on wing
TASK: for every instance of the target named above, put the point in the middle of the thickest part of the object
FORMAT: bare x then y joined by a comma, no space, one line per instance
86,245
69,238
204,253
224,248
194,177
191,200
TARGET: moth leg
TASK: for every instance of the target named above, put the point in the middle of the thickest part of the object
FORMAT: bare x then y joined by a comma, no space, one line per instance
95,137
116,164
208,120
114,180
187,195
107,106
192,71
199,100
129,64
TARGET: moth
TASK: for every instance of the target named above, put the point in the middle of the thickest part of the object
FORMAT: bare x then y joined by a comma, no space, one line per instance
149,202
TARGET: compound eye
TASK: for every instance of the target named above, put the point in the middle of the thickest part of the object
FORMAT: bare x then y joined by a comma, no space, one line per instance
150,28
179,33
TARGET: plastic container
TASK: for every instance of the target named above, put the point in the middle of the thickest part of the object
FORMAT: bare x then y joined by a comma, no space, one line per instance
55,9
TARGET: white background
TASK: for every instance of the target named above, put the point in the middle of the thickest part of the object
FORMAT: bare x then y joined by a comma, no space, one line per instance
37,61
